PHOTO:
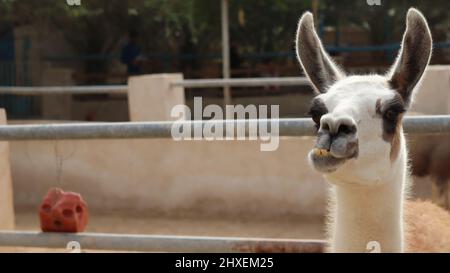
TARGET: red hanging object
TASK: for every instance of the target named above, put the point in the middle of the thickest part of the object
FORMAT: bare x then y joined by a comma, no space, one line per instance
63,212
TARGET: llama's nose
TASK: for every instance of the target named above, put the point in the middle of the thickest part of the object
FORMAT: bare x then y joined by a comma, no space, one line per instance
337,125
338,135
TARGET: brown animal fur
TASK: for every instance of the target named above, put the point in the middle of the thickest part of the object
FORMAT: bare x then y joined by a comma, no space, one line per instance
427,227
395,144
430,155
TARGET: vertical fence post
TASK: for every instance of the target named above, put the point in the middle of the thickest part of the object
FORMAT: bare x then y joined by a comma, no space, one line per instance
152,97
6,189
226,53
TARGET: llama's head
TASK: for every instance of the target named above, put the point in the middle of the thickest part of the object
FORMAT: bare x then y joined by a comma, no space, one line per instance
359,117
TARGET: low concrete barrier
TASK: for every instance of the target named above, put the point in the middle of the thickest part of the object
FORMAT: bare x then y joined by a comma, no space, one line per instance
6,187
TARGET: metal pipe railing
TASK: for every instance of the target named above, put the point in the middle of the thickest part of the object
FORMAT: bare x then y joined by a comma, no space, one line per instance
120,130
63,90
158,243
242,82
123,89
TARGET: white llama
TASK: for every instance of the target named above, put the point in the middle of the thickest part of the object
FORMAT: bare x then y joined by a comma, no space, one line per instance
361,148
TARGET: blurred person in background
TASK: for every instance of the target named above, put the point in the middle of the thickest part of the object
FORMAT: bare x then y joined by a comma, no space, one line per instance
131,54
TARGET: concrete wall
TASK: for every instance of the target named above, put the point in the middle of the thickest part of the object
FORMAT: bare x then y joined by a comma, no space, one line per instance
151,97
433,97
226,177
6,187
57,106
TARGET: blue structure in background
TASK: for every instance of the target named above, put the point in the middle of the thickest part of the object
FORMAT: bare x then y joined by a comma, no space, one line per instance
7,57
16,106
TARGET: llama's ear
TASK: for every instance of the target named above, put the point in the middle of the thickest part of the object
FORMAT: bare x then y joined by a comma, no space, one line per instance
414,56
316,63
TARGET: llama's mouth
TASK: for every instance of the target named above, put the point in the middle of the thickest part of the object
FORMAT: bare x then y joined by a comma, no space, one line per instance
323,161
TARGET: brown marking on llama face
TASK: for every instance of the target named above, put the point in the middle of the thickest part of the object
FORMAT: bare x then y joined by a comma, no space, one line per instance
391,112
395,144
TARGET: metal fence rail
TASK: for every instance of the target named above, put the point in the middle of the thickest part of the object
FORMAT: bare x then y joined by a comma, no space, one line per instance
158,243
242,82
63,90
118,130
123,89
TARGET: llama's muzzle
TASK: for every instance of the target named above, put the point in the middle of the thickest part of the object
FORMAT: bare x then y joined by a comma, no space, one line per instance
337,141
340,143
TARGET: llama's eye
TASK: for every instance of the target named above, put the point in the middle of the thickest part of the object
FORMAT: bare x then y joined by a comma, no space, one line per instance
317,110
390,115
393,109
315,115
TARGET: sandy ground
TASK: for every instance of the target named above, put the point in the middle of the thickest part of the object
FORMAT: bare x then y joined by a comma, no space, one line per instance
293,227
285,227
